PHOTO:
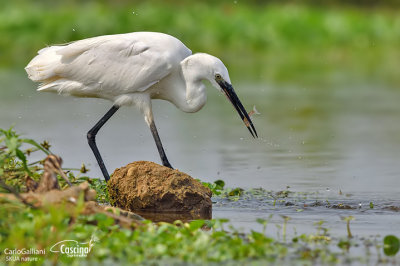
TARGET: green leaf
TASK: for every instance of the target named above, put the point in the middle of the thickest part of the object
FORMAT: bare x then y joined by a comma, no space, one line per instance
220,183
236,192
261,221
344,244
391,245
196,224
257,236
223,220
22,157
12,143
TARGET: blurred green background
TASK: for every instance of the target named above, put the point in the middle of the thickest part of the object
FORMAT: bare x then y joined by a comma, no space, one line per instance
301,42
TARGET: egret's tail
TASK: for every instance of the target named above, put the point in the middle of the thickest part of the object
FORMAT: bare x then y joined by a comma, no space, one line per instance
43,67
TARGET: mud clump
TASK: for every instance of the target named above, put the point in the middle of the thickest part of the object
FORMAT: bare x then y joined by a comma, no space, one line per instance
159,193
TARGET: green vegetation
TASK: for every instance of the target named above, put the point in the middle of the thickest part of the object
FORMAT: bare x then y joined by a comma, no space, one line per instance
197,242
14,165
275,42
216,188
13,161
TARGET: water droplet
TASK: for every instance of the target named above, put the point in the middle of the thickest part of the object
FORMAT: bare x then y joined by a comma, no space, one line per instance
73,29
327,189
241,138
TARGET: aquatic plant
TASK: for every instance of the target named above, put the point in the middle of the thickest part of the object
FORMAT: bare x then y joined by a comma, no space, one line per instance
13,156
391,245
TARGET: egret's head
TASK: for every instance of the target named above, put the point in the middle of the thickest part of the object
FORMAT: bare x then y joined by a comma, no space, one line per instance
202,66
218,75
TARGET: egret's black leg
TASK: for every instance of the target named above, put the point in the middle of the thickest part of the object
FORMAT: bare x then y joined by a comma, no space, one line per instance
159,145
91,136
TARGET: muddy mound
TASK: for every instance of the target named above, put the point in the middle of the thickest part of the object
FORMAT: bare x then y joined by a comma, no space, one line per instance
146,187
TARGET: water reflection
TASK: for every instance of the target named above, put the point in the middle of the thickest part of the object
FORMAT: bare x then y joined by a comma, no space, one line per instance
170,217
341,137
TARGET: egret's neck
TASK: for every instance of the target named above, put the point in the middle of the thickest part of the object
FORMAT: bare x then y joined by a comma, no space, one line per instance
195,96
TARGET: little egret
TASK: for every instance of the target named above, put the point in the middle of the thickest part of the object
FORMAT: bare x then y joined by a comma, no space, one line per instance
132,69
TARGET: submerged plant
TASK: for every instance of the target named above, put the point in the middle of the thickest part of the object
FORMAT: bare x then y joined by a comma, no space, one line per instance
348,219
285,221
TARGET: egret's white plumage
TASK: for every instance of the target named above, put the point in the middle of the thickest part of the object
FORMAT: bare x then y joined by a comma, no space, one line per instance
133,68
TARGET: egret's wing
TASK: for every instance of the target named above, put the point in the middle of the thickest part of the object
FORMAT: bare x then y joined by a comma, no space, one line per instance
43,67
120,63
107,66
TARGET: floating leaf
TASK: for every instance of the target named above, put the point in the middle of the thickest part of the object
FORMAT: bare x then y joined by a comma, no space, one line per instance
391,245
220,183
344,244
236,192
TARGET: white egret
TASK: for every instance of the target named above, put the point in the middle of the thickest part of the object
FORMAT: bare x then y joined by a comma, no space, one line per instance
132,69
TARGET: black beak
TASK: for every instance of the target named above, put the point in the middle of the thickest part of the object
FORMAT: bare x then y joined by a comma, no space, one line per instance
231,95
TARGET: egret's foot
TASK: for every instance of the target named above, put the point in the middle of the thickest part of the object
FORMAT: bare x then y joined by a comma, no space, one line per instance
167,164
106,177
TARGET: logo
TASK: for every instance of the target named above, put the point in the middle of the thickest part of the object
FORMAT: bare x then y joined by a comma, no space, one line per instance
23,255
73,248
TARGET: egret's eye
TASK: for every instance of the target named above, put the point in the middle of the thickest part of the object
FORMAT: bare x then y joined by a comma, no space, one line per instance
218,77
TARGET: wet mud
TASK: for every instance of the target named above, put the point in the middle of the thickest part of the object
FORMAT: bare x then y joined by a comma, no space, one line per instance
159,193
